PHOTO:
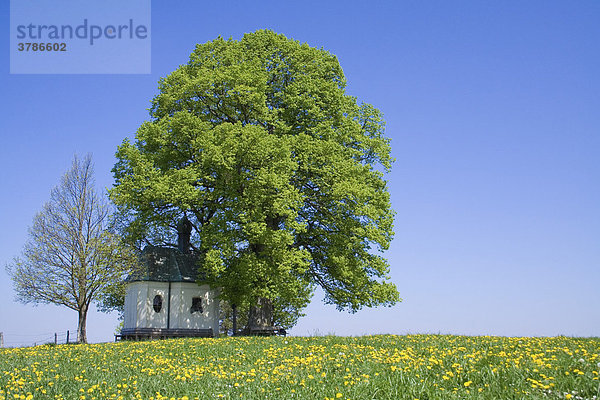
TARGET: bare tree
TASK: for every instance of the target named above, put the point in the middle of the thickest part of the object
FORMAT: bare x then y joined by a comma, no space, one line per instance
71,257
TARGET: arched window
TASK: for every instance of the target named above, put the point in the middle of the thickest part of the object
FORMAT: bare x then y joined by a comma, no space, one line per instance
196,305
157,303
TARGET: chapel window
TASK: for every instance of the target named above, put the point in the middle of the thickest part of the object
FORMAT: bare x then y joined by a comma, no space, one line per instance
196,305
157,303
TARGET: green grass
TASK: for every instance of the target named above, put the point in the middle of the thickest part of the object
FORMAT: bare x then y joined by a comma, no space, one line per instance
328,367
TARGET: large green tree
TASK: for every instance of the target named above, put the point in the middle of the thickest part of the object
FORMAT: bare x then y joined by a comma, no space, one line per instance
279,170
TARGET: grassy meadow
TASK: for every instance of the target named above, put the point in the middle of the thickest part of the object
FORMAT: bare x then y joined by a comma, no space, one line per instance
325,368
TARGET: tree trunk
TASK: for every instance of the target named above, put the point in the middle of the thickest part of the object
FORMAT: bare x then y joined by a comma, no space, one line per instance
234,319
260,315
81,332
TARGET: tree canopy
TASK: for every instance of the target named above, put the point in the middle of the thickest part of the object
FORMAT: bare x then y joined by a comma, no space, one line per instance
278,169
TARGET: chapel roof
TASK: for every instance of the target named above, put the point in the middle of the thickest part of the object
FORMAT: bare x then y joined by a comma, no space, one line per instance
166,264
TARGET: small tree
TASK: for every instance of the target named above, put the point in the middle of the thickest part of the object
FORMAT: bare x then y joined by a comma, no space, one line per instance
71,257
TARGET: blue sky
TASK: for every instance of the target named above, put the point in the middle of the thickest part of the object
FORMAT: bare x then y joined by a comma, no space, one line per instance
493,111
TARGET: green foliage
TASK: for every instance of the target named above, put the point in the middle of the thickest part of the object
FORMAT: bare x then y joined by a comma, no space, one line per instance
112,298
279,170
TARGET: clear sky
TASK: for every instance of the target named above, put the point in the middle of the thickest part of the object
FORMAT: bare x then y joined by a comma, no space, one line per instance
493,109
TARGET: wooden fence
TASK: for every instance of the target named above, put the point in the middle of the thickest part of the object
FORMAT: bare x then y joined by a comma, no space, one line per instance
36,339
